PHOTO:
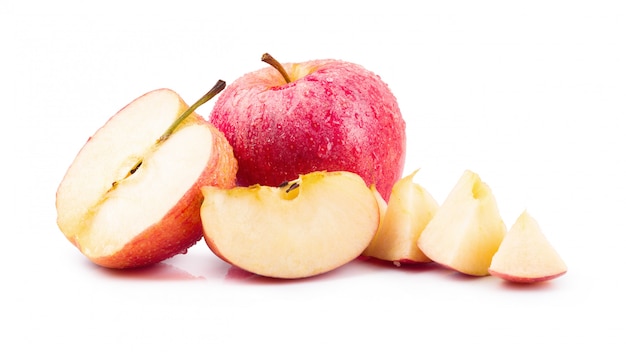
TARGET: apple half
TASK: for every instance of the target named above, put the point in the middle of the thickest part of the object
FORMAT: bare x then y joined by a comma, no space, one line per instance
132,197
305,227
525,255
467,229
409,210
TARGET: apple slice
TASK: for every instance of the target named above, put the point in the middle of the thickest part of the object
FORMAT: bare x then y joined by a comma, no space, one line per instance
525,255
467,229
409,210
132,195
304,227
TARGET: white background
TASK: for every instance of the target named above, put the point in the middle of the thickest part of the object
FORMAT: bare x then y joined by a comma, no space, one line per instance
530,95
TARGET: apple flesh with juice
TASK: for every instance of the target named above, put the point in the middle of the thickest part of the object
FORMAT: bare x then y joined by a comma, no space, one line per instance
525,255
320,115
305,227
132,196
467,229
409,210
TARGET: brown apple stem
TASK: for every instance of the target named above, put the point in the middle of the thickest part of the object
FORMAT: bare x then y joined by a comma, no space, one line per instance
218,87
269,59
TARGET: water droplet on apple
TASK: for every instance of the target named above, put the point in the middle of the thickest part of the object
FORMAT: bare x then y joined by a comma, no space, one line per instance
324,150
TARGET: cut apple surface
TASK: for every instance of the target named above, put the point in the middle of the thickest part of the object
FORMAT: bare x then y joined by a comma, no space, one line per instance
409,210
525,255
467,229
132,195
304,227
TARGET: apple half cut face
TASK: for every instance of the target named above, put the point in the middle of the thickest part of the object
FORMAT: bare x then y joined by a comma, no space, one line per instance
127,201
467,229
409,210
302,228
525,255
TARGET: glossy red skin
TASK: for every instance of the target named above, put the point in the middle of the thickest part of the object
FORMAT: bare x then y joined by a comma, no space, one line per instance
339,117
525,280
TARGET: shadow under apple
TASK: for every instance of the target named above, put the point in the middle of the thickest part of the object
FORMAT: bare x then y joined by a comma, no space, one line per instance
157,272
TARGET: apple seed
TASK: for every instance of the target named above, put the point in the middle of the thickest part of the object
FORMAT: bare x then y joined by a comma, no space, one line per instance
292,187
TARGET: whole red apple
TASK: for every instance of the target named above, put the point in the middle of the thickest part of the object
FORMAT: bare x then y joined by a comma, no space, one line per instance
295,118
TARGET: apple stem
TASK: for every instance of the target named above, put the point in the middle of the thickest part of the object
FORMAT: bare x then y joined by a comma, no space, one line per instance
269,59
218,87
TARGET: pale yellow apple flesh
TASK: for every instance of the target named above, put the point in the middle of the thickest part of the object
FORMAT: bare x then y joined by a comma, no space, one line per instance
467,229
127,201
409,210
307,227
525,255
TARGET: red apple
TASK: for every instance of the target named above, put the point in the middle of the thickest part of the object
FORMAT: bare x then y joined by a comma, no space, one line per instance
132,196
295,118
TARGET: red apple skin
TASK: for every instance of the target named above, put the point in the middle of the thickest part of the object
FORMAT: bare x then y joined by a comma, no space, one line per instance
524,280
333,116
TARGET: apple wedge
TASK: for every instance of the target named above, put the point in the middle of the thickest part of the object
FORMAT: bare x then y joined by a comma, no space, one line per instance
302,228
467,229
525,255
132,196
409,210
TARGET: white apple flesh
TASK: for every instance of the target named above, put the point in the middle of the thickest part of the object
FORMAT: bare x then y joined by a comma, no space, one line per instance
467,229
525,255
130,199
305,227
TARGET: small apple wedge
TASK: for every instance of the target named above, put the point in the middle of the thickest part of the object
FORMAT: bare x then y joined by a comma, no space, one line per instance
467,229
132,197
409,210
302,228
525,255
